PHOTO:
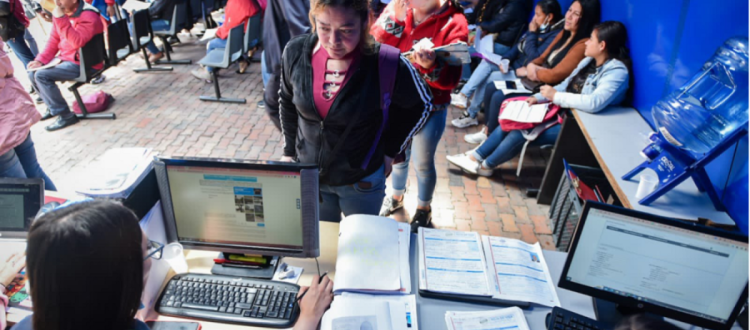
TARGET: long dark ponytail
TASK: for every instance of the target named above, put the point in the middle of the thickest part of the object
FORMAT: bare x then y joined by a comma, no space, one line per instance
590,16
615,36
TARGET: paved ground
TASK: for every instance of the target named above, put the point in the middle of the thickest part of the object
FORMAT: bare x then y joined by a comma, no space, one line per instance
162,111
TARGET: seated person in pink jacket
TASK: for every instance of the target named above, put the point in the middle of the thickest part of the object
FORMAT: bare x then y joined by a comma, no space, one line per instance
75,22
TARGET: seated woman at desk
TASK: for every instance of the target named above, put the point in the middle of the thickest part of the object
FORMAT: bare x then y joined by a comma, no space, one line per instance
601,79
87,264
557,62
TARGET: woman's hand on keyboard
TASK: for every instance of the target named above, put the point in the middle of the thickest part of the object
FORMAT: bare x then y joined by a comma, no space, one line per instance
314,303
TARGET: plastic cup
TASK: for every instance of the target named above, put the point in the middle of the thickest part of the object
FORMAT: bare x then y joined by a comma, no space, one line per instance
648,183
174,255
505,64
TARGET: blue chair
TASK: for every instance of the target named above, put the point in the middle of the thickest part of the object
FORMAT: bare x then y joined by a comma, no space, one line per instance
179,22
222,58
89,55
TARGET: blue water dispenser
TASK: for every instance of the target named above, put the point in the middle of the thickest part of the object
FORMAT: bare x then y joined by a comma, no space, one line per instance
698,122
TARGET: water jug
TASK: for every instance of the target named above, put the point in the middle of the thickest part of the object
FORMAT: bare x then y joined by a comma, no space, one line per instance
712,105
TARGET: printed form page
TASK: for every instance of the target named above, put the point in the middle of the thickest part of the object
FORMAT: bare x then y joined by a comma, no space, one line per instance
237,206
452,262
520,271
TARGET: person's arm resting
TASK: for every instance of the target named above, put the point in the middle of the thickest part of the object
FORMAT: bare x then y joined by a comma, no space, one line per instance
612,83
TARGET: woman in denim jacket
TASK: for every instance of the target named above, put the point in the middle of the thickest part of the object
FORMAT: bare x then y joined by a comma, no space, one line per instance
601,79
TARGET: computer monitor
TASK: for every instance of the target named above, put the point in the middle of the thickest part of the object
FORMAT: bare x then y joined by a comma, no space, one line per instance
676,269
20,201
235,206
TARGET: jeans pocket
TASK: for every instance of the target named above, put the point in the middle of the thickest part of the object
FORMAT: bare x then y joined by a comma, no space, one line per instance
372,182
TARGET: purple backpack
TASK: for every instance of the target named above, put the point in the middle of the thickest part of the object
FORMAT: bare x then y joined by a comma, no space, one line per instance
388,64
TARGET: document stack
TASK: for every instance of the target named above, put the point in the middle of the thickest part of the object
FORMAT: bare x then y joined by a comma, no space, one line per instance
373,279
467,264
507,318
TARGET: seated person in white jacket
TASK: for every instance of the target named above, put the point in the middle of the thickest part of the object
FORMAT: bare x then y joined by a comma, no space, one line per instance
601,79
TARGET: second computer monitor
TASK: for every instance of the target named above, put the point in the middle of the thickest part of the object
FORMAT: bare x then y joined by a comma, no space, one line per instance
223,205
667,267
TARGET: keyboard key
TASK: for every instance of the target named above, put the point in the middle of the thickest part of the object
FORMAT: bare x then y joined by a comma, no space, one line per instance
222,309
288,314
230,310
242,305
200,307
272,314
248,314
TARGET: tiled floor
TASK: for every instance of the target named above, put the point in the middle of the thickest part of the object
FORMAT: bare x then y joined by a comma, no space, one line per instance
162,111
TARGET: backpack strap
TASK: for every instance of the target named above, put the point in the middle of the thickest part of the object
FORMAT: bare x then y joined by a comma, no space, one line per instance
388,59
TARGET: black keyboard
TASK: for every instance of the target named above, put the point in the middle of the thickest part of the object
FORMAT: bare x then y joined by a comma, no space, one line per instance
563,319
229,299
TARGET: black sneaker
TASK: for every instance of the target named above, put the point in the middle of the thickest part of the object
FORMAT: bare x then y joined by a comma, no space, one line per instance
390,206
261,104
38,100
421,219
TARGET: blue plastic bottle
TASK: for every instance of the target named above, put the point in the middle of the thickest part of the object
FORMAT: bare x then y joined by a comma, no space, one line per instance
712,105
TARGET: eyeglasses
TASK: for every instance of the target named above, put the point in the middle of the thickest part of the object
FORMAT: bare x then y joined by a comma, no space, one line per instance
155,250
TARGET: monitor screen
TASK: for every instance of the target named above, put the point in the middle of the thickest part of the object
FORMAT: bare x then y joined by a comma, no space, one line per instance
20,200
247,208
657,263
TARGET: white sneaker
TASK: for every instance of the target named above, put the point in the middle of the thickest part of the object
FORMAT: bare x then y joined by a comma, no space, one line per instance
459,100
481,171
476,138
464,162
464,121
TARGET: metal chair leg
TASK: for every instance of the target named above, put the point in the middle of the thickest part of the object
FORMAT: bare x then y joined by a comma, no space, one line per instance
167,50
149,68
218,97
84,113
520,159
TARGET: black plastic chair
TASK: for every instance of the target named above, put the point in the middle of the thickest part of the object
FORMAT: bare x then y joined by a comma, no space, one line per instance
179,22
222,58
118,39
201,12
142,35
89,55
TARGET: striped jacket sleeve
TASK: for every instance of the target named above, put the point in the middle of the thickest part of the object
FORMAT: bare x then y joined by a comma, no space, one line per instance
411,105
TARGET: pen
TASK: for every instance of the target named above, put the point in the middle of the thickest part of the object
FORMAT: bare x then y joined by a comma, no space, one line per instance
319,280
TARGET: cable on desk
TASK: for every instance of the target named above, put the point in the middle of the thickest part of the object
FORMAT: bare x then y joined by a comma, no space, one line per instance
317,265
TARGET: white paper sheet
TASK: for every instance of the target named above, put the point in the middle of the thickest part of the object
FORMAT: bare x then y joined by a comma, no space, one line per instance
452,262
209,34
409,302
520,111
116,172
368,254
355,313
487,49
520,271
54,62
507,318
153,225
134,5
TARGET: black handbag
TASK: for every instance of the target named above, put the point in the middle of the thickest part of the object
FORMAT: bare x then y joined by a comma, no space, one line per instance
10,27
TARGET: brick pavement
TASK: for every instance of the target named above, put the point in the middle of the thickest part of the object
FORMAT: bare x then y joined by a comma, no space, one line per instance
162,111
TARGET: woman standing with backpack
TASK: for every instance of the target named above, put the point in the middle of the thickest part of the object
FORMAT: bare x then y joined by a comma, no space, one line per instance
331,114
403,24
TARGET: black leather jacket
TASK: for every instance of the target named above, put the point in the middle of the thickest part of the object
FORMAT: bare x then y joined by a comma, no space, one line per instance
310,139
505,17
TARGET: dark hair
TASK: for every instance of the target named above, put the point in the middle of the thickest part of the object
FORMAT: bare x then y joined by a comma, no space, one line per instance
590,16
551,7
615,36
643,322
360,7
85,267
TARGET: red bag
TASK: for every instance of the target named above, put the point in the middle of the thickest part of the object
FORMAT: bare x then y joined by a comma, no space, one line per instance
510,125
97,102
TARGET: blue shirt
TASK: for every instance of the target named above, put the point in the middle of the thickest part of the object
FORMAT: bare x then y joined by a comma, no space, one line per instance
25,324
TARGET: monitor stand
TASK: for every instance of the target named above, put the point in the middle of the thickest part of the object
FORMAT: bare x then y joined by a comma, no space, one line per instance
611,313
260,272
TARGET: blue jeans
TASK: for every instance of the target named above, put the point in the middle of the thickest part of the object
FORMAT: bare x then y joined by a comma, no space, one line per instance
214,44
423,148
264,69
502,146
363,197
22,50
482,71
31,42
157,25
20,162
45,83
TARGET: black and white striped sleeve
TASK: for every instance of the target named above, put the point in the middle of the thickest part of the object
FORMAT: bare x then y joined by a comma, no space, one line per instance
410,108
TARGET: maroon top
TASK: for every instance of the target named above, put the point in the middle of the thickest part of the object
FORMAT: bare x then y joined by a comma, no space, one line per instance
323,97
